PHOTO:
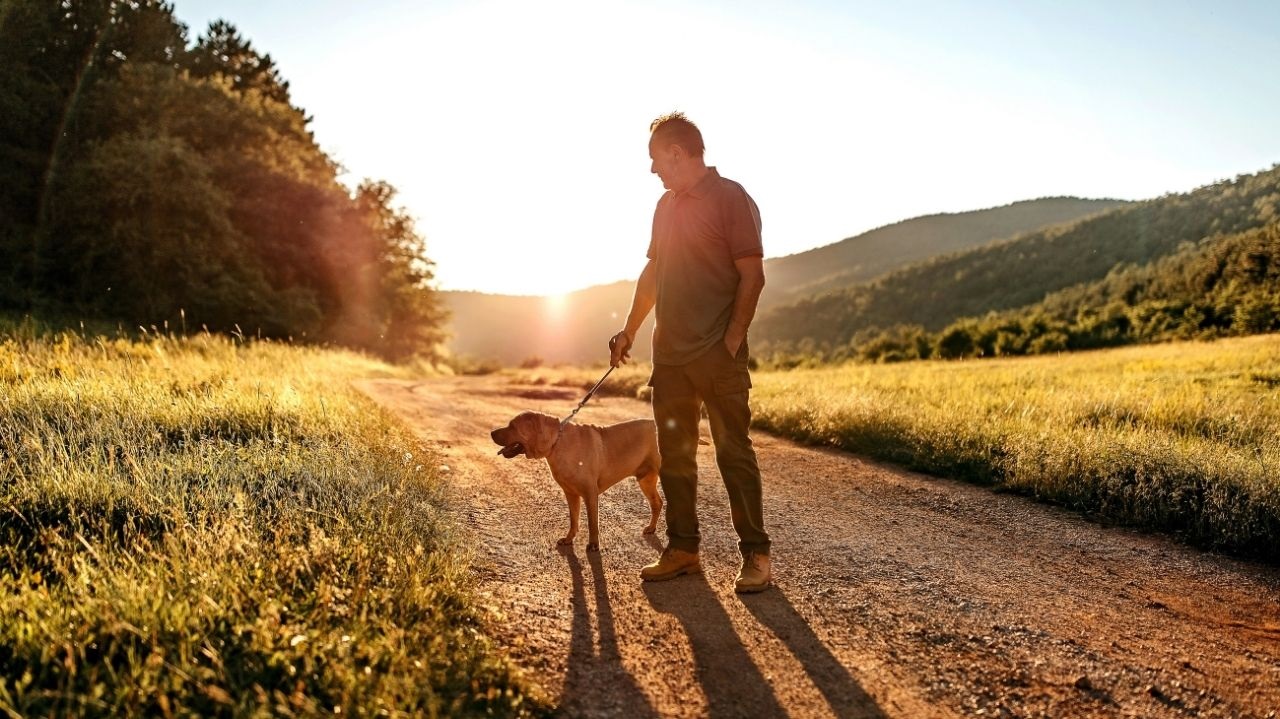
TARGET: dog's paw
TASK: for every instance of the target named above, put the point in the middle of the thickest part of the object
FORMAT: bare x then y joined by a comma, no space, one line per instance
564,542
593,547
650,529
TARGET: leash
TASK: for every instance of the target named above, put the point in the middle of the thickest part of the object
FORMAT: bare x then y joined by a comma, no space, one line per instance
563,422
583,403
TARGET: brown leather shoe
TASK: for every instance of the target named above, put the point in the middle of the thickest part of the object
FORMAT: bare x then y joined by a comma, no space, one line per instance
670,565
755,574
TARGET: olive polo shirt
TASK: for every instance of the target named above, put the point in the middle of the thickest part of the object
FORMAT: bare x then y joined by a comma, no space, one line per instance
697,235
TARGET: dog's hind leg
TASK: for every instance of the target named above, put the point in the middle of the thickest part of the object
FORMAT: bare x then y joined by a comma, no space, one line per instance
593,522
649,485
574,503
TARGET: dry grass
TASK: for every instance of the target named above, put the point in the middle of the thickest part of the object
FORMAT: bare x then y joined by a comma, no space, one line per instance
1176,437
206,527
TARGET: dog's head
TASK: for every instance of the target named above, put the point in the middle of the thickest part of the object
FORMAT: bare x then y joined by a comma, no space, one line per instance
532,434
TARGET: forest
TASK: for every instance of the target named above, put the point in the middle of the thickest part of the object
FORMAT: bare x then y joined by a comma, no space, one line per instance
151,180
1193,265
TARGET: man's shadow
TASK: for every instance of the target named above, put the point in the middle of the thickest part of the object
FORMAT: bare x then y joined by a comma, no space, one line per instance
842,691
591,671
731,680
733,683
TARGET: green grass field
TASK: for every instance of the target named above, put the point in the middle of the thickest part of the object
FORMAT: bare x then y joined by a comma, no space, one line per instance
206,527
1183,438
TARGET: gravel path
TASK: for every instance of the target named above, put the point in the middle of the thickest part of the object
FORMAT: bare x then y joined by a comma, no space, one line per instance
897,594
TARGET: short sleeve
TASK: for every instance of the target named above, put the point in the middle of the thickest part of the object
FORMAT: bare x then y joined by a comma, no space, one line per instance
653,235
741,223
653,239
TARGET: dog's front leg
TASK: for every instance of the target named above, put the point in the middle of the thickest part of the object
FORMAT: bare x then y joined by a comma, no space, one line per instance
593,522
575,502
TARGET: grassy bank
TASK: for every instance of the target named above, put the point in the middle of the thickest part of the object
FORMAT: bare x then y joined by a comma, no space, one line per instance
204,527
1176,437
1181,437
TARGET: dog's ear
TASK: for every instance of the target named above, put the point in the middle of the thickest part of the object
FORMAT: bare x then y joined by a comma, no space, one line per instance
539,433
548,432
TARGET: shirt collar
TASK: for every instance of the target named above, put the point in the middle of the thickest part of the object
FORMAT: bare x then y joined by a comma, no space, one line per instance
703,185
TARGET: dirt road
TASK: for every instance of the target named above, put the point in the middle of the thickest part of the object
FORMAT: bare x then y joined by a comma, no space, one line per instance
897,595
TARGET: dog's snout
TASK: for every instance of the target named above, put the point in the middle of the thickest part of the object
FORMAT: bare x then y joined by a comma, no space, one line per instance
502,435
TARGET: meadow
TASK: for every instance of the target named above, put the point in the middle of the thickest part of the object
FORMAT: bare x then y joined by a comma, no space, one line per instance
1180,438
209,526
214,526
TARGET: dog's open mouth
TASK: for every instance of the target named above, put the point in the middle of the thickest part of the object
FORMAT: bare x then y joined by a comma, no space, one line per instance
512,450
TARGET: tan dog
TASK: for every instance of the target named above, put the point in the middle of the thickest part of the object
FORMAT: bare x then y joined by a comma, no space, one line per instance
586,460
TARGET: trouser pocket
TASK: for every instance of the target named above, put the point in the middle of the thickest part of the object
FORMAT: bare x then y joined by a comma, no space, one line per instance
728,374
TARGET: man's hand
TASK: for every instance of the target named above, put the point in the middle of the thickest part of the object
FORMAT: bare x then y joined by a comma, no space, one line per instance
733,338
619,348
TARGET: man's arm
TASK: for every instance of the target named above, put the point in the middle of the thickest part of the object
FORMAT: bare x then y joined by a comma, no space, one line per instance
750,283
645,297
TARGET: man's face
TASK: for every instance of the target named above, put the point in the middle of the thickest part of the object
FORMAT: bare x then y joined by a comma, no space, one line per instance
664,159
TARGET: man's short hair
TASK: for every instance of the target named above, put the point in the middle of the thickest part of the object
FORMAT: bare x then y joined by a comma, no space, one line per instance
677,129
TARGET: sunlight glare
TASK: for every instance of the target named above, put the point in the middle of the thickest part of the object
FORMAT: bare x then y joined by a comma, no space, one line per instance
555,306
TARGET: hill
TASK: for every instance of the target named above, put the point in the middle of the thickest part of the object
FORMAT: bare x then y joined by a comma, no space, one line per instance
884,249
573,328
1222,286
1024,270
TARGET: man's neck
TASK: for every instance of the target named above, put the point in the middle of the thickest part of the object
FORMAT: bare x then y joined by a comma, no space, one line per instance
697,171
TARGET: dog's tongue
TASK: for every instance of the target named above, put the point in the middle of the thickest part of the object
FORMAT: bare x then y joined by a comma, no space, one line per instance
511,450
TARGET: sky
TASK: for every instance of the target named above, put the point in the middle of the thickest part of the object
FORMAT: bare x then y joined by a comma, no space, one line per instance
516,132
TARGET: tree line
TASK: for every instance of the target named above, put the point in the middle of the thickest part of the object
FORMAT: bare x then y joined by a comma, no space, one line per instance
1178,266
150,179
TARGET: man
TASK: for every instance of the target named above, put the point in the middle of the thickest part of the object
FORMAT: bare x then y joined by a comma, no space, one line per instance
704,275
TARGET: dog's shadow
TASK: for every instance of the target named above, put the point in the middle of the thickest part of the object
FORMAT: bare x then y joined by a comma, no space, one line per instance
592,664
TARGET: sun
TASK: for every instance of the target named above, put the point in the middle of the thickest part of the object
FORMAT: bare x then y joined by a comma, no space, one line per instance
555,305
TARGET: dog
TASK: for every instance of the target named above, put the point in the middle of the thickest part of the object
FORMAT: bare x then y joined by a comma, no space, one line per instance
586,460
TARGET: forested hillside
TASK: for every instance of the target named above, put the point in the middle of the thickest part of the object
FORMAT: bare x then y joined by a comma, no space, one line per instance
1222,286
148,179
866,256
925,298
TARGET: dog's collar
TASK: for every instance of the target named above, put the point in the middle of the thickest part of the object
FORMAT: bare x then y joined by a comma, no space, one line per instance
559,431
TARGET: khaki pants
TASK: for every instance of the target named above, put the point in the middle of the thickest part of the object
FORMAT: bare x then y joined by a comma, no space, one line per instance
721,382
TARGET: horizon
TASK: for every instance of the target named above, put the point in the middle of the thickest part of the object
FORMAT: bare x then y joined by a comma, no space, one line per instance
911,112
767,258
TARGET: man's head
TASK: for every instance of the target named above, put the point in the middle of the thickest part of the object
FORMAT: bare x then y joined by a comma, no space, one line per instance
675,148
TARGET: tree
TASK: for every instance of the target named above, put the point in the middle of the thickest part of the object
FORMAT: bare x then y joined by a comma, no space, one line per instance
222,51
52,55
955,342
139,178
144,232
391,307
